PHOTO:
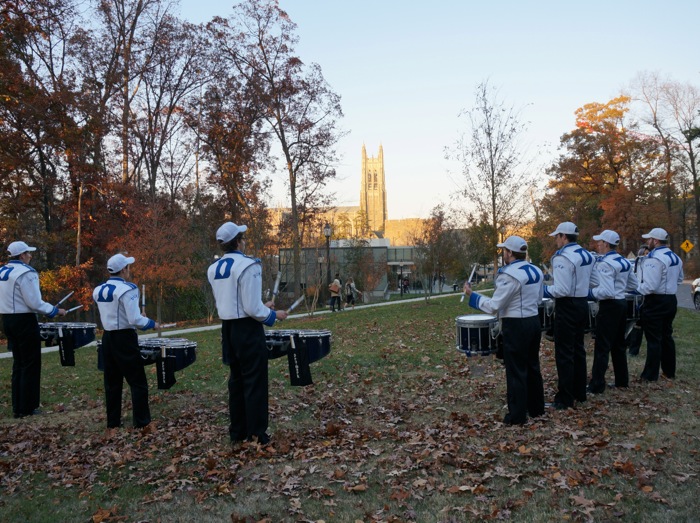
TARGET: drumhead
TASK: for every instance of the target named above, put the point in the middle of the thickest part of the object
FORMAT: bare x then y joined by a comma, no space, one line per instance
475,320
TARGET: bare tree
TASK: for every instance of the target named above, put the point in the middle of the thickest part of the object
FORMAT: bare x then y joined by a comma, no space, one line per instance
671,110
158,107
300,108
493,163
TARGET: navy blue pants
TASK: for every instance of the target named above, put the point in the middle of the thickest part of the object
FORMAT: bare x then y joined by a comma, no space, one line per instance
23,340
521,356
610,342
569,349
244,341
122,360
657,315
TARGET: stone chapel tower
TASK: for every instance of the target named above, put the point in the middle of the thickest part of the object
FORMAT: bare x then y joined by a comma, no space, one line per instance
373,191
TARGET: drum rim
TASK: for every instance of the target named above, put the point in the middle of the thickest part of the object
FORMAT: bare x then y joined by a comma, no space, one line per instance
314,333
67,325
168,343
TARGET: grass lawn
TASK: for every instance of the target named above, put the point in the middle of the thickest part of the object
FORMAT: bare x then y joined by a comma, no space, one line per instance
398,426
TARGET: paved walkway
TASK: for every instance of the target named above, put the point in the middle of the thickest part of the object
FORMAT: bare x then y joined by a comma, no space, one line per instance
685,300
217,326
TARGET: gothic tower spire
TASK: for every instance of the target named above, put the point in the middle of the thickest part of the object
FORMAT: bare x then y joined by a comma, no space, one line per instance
373,191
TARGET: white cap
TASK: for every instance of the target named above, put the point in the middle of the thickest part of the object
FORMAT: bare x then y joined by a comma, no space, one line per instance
514,243
117,263
657,233
229,231
566,228
608,236
17,248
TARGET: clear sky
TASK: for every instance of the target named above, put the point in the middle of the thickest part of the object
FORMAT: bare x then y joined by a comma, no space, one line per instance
405,69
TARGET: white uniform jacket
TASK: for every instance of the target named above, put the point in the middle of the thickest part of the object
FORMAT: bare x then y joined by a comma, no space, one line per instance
236,280
118,302
19,291
612,277
571,269
661,272
518,291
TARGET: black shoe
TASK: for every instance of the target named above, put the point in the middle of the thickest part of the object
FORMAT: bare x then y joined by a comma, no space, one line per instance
591,390
507,420
35,412
263,439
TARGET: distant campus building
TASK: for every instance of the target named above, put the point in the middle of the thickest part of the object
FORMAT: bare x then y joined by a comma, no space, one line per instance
347,221
390,240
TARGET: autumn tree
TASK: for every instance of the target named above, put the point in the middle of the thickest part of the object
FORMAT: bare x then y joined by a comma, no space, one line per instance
493,166
159,237
607,176
36,118
437,246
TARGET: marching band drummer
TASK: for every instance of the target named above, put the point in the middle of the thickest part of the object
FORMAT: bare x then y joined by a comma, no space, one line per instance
518,291
611,278
20,302
571,270
236,280
118,303
661,273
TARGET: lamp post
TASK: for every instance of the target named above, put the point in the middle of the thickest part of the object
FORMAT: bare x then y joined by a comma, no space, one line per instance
327,231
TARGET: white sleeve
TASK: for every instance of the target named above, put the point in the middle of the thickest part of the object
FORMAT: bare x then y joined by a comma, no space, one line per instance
632,282
130,299
605,278
250,290
506,288
651,276
31,294
562,272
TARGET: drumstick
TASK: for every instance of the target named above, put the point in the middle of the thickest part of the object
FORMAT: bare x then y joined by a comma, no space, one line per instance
468,281
168,325
276,288
74,308
65,297
295,304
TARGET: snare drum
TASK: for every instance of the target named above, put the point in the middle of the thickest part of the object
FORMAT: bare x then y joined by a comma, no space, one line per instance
149,354
182,351
68,336
476,334
169,355
80,333
318,343
278,342
592,313
545,310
